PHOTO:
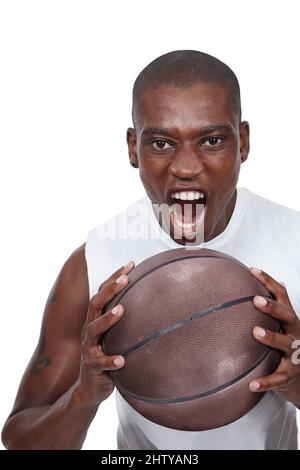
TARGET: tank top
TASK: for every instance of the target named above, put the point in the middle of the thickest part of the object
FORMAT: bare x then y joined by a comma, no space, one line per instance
259,233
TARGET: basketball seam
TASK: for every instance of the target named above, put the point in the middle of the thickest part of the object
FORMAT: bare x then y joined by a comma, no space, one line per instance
199,395
158,335
180,324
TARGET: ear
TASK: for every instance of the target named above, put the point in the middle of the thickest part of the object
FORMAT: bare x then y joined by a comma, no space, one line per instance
244,140
132,147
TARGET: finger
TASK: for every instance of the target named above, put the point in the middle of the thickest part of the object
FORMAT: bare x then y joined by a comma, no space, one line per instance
111,362
274,340
123,270
102,324
99,300
275,287
95,359
283,313
269,382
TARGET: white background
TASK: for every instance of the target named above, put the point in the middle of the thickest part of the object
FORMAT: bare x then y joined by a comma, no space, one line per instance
67,70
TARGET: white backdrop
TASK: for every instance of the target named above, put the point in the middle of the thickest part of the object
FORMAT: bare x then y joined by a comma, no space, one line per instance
67,70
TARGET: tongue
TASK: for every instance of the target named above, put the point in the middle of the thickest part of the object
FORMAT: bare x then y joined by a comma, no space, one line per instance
188,210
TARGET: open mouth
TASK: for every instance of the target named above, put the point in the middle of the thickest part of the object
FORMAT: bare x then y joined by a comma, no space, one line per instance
187,210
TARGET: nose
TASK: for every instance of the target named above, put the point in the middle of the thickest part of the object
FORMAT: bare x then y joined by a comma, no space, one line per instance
186,164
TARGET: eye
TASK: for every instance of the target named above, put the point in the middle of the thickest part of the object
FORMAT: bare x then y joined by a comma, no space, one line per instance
159,144
212,141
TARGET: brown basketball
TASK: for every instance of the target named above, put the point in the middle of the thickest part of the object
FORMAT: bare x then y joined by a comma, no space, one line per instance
186,336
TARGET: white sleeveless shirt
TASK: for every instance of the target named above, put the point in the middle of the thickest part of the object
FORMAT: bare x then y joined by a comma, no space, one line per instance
260,233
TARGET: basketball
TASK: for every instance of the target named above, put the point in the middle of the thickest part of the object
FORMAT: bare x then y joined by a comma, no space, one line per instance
186,335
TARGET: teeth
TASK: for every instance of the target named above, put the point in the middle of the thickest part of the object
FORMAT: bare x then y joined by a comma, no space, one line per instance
188,195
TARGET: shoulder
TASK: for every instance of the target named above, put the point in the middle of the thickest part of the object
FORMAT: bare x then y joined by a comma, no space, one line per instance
119,223
114,242
75,263
269,208
70,291
74,269
135,208
274,223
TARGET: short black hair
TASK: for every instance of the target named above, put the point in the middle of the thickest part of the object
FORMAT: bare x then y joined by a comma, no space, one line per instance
182,69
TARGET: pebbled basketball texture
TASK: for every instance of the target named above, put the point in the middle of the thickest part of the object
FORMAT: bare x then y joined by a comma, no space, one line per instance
186,335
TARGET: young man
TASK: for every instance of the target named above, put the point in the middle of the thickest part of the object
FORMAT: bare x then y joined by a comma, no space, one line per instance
188,142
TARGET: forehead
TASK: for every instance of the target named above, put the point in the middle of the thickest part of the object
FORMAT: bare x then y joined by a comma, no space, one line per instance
196,106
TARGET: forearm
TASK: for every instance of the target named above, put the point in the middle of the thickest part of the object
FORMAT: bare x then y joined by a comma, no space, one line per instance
62,425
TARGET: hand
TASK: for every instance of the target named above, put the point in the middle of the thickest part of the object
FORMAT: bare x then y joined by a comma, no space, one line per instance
285,380
94,381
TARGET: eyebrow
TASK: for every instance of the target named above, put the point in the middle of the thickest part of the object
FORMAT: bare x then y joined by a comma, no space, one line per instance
202,130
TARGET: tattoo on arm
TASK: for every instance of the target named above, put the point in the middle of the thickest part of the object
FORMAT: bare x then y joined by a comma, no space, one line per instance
41,363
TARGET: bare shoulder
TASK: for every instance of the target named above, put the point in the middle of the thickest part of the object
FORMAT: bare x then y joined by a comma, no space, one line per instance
70,293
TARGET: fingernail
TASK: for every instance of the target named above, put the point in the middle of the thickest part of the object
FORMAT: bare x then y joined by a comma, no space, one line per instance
118,361
260,300
116,310
254,385
260,332
122,279
255,270
128,265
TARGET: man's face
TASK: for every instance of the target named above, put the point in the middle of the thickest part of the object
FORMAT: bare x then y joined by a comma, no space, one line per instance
190,141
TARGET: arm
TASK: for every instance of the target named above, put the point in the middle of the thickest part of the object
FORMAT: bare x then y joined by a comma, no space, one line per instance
58,395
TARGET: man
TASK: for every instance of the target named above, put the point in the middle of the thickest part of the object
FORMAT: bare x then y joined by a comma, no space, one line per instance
188,142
